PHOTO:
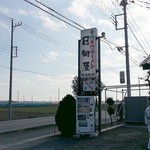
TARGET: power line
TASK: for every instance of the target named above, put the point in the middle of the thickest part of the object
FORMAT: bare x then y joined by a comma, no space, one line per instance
60,14
143,4
79,28
47,38
103,10
4,48
43,36
143,51
33,72
143,38
137,40
56,43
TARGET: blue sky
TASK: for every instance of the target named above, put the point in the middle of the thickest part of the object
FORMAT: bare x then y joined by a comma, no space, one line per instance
48,64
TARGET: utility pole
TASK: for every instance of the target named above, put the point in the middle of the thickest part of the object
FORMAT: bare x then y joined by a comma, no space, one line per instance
11,65
124,4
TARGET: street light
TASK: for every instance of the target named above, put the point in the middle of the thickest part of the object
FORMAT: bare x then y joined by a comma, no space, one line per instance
99,80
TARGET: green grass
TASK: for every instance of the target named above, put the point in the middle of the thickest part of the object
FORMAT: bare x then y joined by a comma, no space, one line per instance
28,112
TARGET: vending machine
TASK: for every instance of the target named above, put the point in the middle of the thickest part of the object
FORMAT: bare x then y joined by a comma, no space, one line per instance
85,115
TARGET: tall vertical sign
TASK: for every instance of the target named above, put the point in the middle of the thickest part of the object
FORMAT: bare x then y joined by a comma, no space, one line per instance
88,53
88,58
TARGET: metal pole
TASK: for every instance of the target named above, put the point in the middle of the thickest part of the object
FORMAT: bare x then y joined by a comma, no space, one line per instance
99,88
79,79
139,86
122,94
105,106
124,4
11,68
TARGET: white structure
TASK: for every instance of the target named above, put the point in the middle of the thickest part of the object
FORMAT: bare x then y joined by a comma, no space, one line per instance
88,53
85,116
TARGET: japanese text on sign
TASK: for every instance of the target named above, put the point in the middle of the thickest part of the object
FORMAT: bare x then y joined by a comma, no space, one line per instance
88,51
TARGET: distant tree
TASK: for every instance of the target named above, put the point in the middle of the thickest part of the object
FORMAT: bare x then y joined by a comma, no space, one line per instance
75,86
110,108
66,116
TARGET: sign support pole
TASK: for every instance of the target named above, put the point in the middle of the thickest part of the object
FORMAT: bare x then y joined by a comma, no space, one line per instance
99,85
79,76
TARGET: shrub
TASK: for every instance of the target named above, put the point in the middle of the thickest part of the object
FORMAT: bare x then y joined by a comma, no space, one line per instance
110,108
110,101
66,116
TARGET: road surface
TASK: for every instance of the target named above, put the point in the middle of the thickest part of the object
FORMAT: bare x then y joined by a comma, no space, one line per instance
13,125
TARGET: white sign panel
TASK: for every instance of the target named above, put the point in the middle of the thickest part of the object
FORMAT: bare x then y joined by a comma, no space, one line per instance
88,53
88,84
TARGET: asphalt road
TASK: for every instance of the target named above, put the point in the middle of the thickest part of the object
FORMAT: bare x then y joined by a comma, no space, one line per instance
45,138
29,139
26,139
14,125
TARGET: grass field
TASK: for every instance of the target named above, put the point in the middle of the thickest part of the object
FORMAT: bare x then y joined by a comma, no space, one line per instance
22,112
28,112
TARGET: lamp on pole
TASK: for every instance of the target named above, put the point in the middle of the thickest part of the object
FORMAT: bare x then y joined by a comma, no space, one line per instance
11,65
99,80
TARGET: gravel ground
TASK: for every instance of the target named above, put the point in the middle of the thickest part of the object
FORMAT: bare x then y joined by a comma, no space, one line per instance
122,138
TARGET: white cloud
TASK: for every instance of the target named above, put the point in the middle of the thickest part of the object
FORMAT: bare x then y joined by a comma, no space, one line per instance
44,19
105,23
48,22
80,8
3,25
51,56
4,10
22,12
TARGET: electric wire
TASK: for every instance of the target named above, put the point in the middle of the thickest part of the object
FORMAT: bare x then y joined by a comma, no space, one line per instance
43,36
60,14
107,41
143,51
139,36
48,39
104,12
142,4
53,15
33,72
137,40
